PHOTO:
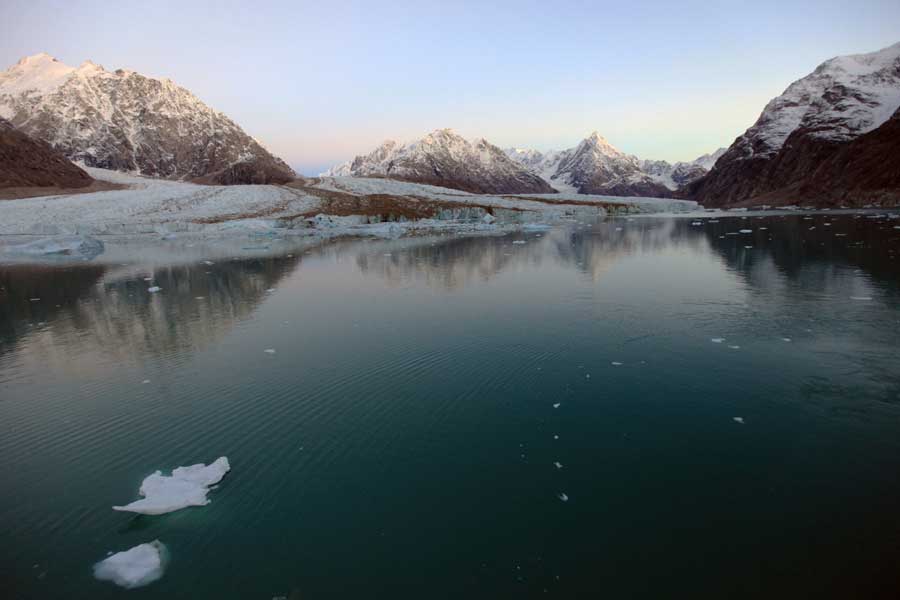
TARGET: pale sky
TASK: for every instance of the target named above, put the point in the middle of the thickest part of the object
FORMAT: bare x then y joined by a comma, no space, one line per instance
319,82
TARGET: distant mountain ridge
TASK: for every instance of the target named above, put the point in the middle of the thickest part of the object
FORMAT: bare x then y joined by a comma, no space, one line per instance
843,113
594,166
125,121
445,159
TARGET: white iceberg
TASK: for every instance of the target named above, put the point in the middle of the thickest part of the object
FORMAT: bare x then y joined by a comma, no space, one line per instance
186,486
135,567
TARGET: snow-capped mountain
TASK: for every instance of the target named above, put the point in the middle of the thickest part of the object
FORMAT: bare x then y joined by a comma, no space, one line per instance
123,120
843,99
445,159
597,167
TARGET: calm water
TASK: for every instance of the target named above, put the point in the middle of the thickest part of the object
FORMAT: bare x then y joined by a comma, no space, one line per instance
401,441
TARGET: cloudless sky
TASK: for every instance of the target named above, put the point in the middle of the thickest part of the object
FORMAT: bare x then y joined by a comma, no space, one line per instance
318,82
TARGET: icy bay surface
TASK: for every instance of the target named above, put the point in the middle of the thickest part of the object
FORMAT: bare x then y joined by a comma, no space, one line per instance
634,408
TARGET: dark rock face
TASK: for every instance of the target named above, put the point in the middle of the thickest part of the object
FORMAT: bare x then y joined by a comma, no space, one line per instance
250,172
26,162
123,120
812,171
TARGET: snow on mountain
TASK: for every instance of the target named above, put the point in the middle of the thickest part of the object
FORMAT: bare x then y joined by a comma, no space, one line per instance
125,121
597,167
842,100
445,159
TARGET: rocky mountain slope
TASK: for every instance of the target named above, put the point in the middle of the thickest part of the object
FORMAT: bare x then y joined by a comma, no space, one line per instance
816,124
597,167
125,121
26,162
445,159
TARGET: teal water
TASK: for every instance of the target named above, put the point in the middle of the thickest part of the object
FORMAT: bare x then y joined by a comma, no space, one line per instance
401,441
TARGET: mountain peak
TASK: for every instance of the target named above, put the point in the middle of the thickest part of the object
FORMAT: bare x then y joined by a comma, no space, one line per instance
41,95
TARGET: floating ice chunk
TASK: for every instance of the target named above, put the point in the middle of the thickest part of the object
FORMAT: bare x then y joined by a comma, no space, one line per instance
269,350
748,247
135,567
697,223
746,231
616,363
738,420
717,340
562,496
186,486
860,297
208,263
558,465
518,241
785,339
555,437
556,405
270,290
148,279
154,289
735,347
145,382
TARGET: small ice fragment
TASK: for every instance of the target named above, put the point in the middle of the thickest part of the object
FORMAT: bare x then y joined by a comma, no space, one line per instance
738,420
34,299
154,289
556,405
746,231
269,350
616,364
555,437
587,376
558,465
618,229
148,279
735,347
717,340
785,339
697,223
199,297
518,241
133,568
387,253
186,486
562,496
860,297
145,382
208,262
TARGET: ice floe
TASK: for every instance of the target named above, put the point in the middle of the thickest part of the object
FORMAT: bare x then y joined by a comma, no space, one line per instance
717,340
562,496
738,420
186,486
78,245
133,568
154,289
